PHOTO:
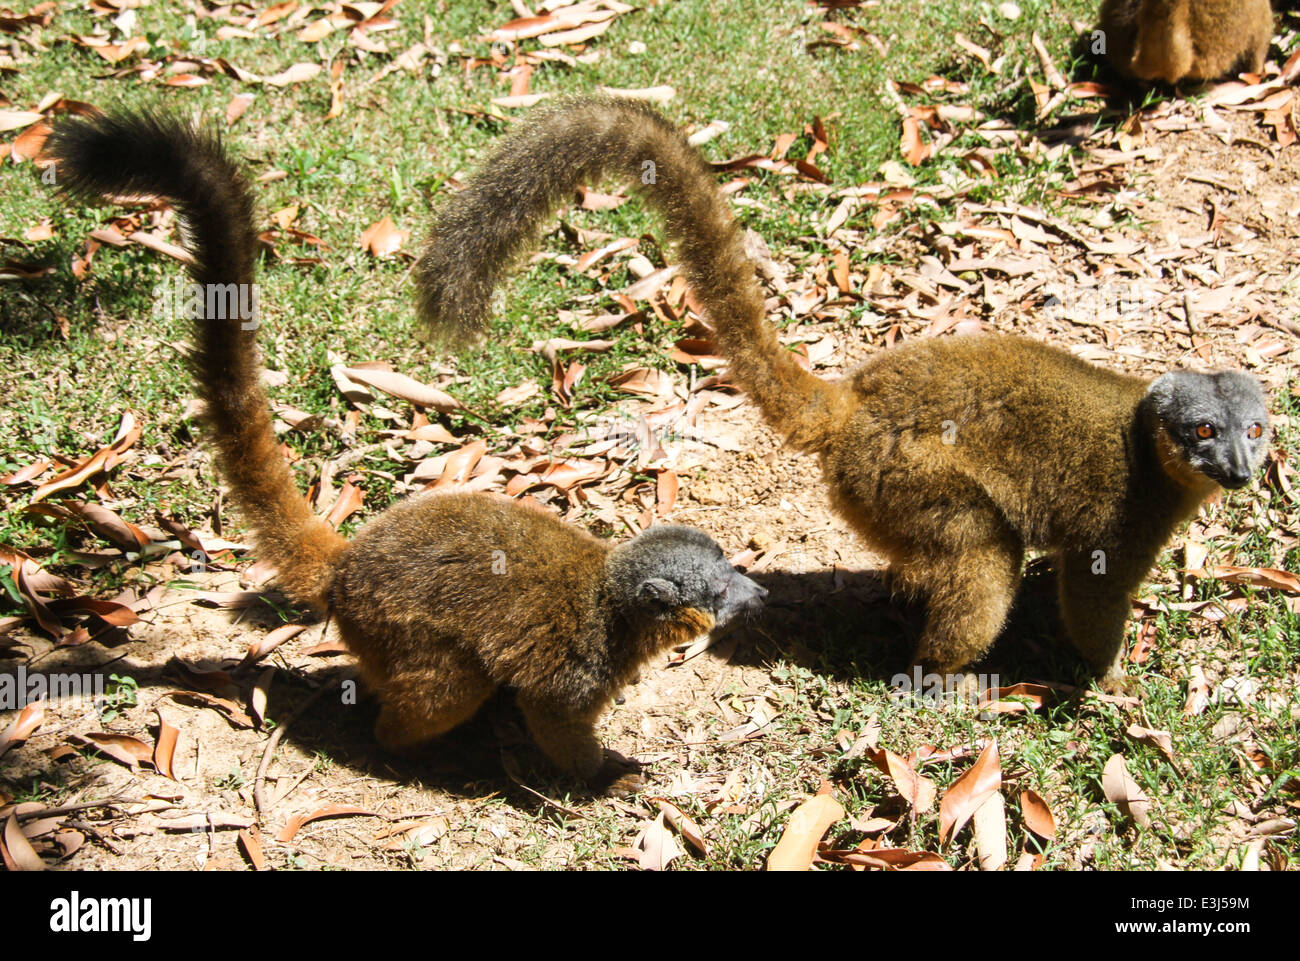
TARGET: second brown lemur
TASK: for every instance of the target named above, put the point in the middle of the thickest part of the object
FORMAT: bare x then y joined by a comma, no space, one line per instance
1185,40
949,456
443,598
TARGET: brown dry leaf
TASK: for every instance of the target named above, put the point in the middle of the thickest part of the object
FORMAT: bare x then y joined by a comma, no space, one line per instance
261,696
998,700
806,827
655,845
325,648
1267,577
665,491
259,649
969,791
250,840
898,859
130,751
989,823
111,612
406,388
34,603
17,119
597,201
165,747
459,464
74,476
346,504
576,35
1198,692
276,11
328,811
1124,792
110,526
232,711
686,827
285,216
514,396
219,683
919,791
29,144
914,149
315,31
382,238
336,89
25,474
17,851
1161,740
593,257
237,107
1037,815
117,52
645,381
21,728
840,270
298,73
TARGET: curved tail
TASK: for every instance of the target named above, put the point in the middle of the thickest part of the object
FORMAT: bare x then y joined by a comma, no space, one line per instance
480,232
136,154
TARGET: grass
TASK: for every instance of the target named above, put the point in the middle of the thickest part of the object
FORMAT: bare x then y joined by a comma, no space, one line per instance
392,152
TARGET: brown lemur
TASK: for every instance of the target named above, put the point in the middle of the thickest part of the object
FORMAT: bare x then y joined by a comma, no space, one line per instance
445,597
1185,40
951,457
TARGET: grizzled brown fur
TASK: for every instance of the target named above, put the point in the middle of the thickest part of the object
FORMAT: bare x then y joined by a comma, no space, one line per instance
445,597
1186,40
951,457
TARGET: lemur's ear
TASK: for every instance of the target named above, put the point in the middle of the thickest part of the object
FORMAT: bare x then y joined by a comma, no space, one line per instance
657,592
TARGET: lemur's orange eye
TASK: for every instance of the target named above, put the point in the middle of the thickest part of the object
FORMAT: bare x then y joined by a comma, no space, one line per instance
1205,431
1253,431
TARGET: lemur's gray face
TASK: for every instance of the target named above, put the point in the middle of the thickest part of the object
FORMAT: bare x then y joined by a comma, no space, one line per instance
679,567
1219,422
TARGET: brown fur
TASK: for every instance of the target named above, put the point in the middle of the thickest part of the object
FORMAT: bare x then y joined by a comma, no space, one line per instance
951,457
1186,40
443,598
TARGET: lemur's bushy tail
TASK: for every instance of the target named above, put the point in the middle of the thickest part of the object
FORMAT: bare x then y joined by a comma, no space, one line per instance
480,232
139,153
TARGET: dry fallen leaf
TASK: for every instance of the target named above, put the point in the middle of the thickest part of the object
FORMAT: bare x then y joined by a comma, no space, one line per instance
989,823
406,388
164,748
21,728
259,649
1037,815
970,791
686,827
250,839
1266,577
655,845
18,853
807,824
328,811
382,238
1124,792
1161,740
298,73
917,789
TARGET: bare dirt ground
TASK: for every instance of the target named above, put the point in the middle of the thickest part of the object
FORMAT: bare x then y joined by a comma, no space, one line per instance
1201,232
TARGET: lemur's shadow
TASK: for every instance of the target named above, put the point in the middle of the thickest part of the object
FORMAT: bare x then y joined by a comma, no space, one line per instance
56,305
844,624
850,625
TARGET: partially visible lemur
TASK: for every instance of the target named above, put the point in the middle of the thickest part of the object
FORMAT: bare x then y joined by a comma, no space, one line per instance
1177,40
949,456
445,597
